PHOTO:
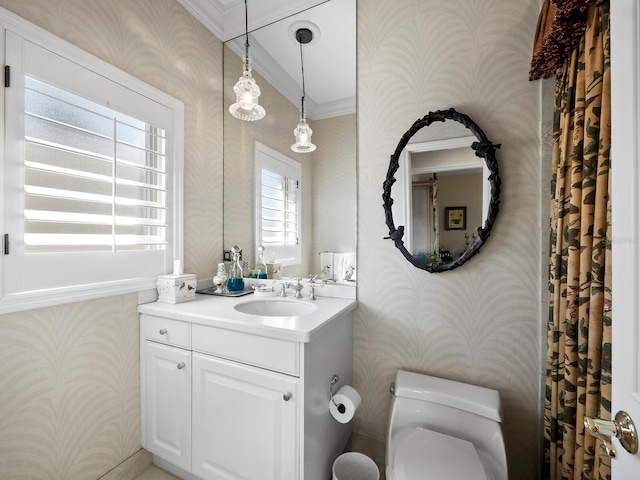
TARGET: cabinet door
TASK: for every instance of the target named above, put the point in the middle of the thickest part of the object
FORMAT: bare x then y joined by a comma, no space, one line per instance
245,422
166,410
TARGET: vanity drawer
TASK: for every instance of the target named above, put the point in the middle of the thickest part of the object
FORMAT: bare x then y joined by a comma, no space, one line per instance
165,330
270,353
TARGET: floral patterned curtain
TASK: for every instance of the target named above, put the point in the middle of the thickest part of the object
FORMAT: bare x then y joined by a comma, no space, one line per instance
578,381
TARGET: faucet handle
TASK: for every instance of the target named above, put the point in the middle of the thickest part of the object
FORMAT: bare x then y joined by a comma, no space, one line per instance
283,288
312,290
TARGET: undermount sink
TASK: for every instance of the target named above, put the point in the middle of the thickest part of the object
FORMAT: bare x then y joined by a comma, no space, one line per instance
275,308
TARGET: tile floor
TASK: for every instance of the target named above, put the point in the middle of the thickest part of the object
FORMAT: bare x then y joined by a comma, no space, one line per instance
155,473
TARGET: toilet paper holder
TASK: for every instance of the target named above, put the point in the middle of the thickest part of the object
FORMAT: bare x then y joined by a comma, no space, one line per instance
335,379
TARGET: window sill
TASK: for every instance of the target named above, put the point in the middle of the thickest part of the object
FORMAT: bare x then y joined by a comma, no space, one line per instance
57,296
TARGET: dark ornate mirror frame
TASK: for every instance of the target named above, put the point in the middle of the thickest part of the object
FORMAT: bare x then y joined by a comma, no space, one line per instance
483,148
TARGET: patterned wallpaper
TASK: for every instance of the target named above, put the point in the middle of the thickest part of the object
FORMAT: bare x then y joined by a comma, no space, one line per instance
334,187
481,323
68,369
69,389
69,375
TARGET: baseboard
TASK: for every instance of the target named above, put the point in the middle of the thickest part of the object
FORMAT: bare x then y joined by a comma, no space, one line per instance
131,467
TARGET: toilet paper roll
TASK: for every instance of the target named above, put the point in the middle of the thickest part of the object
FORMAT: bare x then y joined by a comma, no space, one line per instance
344,404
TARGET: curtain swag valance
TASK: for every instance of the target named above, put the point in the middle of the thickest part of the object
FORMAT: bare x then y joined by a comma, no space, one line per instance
561,24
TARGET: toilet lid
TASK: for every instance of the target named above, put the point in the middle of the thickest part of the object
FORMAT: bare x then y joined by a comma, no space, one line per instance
428,454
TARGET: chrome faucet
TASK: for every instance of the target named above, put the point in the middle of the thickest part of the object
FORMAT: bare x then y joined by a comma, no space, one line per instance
297,288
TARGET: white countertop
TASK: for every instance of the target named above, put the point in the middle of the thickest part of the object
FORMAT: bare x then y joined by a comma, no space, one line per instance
217,311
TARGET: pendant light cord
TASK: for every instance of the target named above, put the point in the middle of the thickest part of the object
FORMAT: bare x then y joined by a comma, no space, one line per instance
303,89
246,32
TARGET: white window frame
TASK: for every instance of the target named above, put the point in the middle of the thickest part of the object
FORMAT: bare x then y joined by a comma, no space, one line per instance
98,287
270,159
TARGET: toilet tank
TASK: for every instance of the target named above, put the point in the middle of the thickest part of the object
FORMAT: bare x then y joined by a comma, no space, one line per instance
477,400
453,408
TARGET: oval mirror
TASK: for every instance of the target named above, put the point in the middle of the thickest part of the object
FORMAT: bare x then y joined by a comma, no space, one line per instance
447,191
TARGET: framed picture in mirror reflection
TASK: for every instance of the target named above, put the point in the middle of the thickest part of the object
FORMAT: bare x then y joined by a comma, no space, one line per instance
455,218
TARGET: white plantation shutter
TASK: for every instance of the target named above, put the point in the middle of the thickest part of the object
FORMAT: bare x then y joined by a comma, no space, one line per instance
278,205
92,168
94,178
279,214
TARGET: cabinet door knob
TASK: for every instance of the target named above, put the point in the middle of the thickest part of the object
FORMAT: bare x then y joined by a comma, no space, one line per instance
287,396
163,331
181,365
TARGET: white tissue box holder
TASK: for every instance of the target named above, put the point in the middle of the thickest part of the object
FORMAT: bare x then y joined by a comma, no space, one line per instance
176,288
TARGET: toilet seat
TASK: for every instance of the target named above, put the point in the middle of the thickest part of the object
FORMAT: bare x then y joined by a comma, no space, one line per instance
425,454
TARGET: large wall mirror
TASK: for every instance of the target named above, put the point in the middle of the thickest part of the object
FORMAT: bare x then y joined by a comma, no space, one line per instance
443,189
328,181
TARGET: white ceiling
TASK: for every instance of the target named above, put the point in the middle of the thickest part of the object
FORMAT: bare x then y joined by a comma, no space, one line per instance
329,60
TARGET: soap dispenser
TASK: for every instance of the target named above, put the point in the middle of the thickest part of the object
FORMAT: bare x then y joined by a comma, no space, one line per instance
235,282
261,267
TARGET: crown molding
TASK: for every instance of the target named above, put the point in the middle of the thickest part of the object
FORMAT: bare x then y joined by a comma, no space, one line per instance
225,18
260,14
210,13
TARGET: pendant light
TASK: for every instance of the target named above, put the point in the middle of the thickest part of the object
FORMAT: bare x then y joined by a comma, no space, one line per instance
246,90
303,132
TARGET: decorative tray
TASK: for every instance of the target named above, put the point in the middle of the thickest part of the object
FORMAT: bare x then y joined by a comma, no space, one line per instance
212,291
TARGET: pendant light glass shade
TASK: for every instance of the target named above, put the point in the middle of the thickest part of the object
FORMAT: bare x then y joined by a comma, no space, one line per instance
303,138
247,90
303,132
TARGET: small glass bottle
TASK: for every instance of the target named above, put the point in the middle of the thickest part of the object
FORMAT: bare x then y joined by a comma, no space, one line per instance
235,282
261,267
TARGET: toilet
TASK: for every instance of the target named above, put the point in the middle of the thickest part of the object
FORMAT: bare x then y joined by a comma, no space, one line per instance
444,430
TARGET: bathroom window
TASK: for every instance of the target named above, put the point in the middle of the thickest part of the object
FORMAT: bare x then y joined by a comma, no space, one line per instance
93,168
278,194
94,178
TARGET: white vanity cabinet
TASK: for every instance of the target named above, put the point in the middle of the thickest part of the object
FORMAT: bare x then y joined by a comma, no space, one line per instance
227,401
248,421
166,383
